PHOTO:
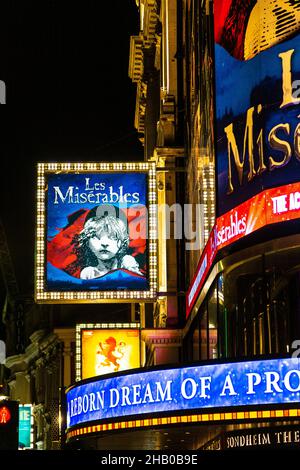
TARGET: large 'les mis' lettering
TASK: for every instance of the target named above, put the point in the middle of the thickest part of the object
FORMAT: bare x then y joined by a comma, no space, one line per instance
275,142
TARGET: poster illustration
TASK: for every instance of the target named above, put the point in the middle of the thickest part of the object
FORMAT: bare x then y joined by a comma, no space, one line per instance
104,351
96,237
90,239
257,76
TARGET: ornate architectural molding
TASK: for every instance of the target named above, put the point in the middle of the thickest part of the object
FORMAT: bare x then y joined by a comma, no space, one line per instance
140,62
163,155
140,109
136,56
43,346
67,335
151,17
162,345
164,336
160,339
17,361
160,313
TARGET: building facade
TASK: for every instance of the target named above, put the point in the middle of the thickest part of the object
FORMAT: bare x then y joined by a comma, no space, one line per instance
245,306
239,280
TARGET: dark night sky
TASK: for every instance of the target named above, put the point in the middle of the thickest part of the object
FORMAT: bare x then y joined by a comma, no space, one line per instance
68,98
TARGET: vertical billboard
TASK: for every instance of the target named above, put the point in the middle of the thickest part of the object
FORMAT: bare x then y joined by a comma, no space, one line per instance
25,427
257,75
106,348
96,232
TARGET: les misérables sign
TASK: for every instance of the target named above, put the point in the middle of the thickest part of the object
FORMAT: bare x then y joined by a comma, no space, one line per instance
257,57
95,232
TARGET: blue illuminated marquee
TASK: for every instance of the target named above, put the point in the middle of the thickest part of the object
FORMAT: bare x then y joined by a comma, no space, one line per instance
264,382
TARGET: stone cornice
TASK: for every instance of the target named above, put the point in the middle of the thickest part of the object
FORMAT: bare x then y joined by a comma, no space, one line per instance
136,58
66,334
139,65
140,108
162,337
164,155
151,17
16,361
41,344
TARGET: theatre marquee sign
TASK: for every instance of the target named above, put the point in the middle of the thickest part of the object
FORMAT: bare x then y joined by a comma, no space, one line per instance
96,232
213,386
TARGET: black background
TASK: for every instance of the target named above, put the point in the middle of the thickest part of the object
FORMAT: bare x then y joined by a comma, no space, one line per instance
69,98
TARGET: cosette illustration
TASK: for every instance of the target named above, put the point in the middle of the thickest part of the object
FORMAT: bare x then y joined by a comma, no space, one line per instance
104,243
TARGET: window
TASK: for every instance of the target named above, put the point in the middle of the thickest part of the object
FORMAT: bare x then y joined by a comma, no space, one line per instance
213,324
251,310
203,333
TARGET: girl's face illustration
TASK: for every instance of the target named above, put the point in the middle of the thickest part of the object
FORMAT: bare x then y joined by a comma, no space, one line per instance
104,246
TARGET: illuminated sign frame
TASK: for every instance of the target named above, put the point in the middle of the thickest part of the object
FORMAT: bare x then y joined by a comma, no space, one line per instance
257,130
214,388
188,419
271,206
28,405
99,326
42,295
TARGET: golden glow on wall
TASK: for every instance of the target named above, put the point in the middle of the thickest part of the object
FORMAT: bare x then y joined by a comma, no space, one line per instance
106,348
78,292
188,419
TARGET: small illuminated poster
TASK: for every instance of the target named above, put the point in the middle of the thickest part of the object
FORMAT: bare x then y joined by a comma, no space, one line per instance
25,427
104,351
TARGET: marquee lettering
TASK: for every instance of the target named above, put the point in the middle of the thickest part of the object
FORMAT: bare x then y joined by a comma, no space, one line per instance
281,138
